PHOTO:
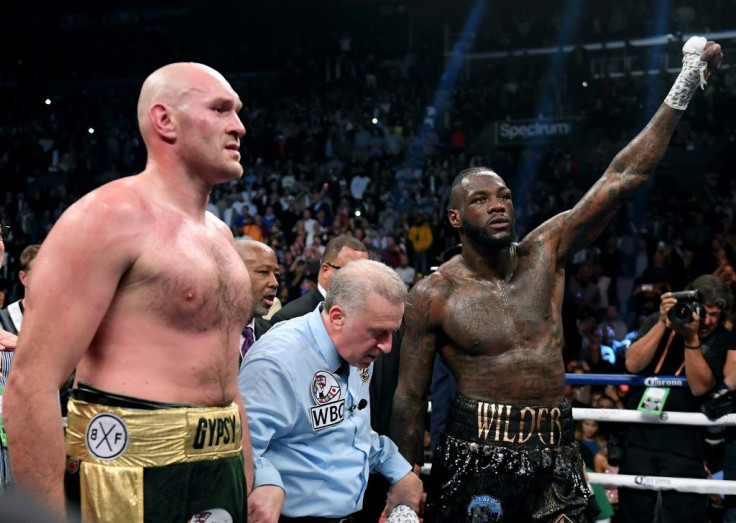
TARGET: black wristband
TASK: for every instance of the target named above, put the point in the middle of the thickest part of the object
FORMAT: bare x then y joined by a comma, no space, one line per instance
692,347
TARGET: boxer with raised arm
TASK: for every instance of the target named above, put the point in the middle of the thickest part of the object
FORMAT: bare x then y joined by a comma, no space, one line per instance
494,314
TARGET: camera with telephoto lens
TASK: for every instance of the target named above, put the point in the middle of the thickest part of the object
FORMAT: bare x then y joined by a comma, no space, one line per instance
717,404
687,303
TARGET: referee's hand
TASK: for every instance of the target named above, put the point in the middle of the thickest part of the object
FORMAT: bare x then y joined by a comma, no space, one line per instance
265,504
408,490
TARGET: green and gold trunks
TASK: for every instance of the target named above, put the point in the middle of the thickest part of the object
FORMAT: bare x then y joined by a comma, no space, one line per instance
140,461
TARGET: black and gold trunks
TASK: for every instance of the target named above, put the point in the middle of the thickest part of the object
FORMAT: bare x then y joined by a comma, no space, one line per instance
141,461
507,463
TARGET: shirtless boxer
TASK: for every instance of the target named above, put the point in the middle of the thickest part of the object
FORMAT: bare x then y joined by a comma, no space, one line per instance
141,290
494,314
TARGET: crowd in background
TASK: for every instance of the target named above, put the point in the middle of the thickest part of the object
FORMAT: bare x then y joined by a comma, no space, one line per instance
349,156
345,138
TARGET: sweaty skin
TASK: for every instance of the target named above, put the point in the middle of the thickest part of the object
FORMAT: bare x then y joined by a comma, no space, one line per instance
494,311
137,286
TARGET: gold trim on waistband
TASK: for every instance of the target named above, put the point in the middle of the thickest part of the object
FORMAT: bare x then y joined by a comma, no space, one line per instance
128,437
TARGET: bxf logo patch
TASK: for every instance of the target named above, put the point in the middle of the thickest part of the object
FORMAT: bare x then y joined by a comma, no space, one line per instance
107,436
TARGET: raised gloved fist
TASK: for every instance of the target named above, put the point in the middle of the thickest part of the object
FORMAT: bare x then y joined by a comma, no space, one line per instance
695,45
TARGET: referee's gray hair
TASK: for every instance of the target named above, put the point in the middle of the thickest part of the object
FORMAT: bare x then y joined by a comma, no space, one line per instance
351,286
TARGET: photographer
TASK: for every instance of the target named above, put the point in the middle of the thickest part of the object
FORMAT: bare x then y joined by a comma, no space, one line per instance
685,336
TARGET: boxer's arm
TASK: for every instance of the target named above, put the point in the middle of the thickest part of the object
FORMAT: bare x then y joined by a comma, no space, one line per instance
415,371
631,168
75,277
247,450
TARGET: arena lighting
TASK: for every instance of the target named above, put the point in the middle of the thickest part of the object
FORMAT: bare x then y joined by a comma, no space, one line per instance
47,101
554,76
455,62
374,121
660,17
91,130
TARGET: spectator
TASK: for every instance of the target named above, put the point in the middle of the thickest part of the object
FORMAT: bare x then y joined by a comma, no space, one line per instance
8,339
420,236
338,252
406,272
612,327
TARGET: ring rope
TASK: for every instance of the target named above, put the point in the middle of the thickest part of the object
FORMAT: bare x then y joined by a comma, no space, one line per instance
635,416
699,486
625,379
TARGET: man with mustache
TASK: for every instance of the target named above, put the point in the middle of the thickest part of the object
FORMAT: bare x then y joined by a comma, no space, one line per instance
494,314
263,269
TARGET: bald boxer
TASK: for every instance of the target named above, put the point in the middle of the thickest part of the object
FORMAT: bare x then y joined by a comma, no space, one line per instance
141,290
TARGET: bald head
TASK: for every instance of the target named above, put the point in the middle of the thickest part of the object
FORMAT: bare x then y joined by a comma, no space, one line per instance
169,85
263,269
251,251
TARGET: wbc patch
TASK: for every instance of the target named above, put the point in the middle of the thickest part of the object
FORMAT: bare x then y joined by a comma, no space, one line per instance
329,406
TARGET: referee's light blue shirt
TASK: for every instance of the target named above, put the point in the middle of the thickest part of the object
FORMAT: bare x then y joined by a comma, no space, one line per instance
323,470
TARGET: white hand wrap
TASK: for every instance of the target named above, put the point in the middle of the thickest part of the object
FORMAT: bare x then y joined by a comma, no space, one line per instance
402,514
692,75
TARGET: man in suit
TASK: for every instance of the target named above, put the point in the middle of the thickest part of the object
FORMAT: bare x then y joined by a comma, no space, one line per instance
11,318
263,269
15,309
8,339
338,252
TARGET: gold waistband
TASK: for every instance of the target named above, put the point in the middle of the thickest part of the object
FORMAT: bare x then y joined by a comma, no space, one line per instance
127,437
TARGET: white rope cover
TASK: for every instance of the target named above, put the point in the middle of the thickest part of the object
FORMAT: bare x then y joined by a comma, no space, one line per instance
635,416
699,486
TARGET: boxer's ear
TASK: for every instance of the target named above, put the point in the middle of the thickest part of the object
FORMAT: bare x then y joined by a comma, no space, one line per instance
455,218
162,122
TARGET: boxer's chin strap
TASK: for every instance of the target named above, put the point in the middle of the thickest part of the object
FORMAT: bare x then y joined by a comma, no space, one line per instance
692,75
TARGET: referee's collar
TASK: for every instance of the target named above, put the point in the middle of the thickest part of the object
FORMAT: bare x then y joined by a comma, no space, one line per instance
323,343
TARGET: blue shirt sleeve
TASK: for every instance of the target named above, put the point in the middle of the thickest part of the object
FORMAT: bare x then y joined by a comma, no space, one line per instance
268,393
386,459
